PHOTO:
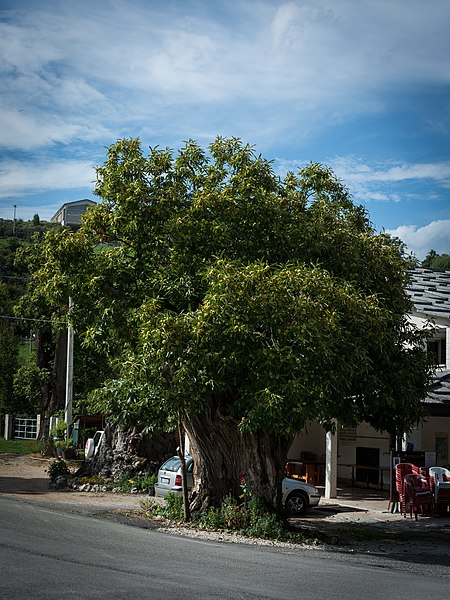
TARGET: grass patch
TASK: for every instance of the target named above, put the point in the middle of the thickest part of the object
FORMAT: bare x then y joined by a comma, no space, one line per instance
19,447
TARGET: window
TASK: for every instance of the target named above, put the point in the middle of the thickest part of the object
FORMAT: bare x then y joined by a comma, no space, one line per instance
437,348
441,449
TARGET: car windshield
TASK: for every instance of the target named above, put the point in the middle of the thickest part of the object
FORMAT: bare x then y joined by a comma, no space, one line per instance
173,464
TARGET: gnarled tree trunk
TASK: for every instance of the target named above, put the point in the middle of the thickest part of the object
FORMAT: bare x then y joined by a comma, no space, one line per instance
129,451
223,457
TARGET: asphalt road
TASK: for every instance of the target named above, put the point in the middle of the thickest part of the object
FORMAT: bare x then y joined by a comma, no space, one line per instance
46,553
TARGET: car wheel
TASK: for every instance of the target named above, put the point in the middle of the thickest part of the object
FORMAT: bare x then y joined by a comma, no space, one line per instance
297,503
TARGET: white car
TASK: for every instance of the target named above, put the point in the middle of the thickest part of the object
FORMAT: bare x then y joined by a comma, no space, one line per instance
93,444
297,496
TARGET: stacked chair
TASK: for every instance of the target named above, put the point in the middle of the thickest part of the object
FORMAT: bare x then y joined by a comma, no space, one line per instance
417,495
440,486
401,470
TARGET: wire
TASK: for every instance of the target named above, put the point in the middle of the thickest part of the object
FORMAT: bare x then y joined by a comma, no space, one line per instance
27,319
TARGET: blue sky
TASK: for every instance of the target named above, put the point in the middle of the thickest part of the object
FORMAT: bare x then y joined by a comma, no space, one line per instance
360,85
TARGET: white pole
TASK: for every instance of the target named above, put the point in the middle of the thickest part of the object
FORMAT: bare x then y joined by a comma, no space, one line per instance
331,465
69,373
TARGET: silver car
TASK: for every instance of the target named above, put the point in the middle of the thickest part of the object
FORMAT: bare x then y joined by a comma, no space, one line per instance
169,477
297,496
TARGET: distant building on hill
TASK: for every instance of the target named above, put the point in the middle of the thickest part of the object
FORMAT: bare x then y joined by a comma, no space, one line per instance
70,213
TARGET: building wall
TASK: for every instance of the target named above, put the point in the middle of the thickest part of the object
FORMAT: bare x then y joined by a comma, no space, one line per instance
433,436
313,439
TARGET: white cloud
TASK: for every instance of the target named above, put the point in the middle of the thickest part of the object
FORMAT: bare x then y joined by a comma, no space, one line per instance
369,181
379,182
420,240
17,178
292,58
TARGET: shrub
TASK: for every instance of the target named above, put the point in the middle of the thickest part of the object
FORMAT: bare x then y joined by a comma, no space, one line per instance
172,509
59,469
46,446
140,483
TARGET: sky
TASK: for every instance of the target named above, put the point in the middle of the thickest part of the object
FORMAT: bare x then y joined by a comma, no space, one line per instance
362,86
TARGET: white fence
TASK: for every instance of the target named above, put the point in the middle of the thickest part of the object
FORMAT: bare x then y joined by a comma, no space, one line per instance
25,429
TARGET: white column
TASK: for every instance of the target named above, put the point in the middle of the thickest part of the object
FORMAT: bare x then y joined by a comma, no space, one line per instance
331,465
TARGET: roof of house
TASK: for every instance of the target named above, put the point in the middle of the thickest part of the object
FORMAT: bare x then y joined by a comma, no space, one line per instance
85,202
429,291
437,399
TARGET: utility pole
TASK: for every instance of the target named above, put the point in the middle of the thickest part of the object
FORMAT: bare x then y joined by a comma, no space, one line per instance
14,222
69,373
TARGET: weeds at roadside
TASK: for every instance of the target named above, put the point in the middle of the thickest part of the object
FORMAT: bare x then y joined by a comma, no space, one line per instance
249,518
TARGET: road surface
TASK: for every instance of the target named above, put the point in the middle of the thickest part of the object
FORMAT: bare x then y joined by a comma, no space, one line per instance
46,553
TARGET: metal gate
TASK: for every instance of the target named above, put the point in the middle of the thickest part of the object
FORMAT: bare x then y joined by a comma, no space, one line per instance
25,429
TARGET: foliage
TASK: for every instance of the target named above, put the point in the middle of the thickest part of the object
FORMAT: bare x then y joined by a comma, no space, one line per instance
26,386
172,509
58,468
215,289
46,446
20,447
433,260
59,430
24,230
64,444
248,518
9,359
140,483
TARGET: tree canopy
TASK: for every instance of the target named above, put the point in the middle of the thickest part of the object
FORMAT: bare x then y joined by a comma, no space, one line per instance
433,260
240,302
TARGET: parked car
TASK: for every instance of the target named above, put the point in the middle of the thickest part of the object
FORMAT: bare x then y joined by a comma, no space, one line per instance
93,444
169,477
297,496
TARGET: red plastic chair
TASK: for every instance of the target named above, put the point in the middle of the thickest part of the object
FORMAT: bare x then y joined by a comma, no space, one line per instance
401,470
418,495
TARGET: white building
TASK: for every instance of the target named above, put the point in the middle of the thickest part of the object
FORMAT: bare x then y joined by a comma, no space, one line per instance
70,213
429,292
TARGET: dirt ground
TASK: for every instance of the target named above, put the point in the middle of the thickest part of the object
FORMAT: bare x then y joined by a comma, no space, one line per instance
26,478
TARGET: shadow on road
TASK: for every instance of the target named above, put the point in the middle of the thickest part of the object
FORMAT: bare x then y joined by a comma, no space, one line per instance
21,485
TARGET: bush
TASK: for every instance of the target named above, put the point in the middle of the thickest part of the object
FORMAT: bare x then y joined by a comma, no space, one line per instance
172,509
57,470
140,483
46,446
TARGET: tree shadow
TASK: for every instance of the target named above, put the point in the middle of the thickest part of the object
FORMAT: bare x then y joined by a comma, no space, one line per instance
22,485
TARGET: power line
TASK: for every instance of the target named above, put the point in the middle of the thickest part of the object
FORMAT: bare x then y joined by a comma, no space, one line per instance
15,277
27,319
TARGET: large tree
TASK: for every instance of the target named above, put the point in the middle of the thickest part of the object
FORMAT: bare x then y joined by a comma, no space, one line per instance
238,303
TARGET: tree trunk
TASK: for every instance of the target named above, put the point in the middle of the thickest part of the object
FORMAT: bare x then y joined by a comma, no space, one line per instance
128,451
224,458
53,391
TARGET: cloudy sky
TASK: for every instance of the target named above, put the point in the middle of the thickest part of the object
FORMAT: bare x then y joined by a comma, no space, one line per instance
360,85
